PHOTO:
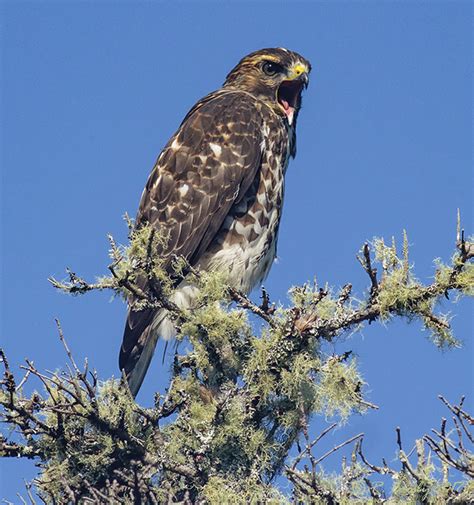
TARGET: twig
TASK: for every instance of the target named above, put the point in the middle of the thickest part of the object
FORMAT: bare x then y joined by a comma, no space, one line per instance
265,305
466,248
337,447
377,469
66,348
308,447
23,381
457,410
244,302
366,263
399,438
344,295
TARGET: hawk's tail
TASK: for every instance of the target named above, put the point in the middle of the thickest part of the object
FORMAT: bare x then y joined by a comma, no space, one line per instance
141,333
142,330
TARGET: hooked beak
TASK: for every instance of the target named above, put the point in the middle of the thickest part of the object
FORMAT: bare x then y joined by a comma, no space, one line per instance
289,94
305,78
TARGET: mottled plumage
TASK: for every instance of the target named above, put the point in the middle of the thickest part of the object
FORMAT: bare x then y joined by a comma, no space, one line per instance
217,188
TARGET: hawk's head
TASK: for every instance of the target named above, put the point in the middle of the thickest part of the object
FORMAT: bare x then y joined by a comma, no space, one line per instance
276,76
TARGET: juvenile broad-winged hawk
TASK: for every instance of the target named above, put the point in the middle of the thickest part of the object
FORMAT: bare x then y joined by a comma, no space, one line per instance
217,188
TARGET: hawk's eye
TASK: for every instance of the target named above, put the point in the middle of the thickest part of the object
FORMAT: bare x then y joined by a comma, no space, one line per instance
271,68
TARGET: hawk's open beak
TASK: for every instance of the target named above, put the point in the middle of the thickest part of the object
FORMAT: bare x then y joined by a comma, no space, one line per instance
289,95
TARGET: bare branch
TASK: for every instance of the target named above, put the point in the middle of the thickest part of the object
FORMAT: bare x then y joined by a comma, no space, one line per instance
244,302
339,446
366,263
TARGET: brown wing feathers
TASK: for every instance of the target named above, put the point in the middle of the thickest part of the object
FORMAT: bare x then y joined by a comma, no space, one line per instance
204,169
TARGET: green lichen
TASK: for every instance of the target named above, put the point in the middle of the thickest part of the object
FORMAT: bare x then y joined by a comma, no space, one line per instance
339,388
239,398
220,491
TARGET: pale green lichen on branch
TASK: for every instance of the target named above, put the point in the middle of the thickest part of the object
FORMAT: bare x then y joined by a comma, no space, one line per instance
238,401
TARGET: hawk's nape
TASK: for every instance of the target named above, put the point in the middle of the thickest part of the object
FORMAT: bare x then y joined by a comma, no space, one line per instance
216,190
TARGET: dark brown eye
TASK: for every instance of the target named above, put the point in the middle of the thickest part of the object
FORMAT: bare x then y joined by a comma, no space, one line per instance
270,68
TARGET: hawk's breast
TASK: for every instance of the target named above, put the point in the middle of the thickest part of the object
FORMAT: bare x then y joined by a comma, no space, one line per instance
245,245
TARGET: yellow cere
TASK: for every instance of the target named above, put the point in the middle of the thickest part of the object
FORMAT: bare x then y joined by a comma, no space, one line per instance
297,70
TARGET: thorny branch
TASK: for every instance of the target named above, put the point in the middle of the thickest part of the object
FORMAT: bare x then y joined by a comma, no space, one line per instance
443,445
306,322
312,482
235,405
245,302
328,328
366,263
74,395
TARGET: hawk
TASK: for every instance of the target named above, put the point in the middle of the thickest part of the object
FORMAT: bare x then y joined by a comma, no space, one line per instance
216,189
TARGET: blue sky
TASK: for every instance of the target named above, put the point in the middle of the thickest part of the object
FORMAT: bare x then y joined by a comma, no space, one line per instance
91,92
